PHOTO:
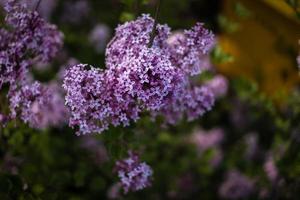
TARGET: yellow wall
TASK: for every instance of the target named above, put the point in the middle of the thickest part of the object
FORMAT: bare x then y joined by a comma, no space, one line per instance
263,45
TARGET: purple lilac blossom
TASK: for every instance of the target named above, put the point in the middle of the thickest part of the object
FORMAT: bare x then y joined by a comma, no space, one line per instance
30,40
96,148
92,101
65,67
11,164
99,37
80,7
45,7
217,157
252,148
207,139
271,169
3,119
236,186
218,85
138,78
134,175
114,191
190,48
38,105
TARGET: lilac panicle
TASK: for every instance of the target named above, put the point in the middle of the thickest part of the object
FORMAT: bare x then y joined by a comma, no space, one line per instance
96,149
218,85
190,103
134,175
93,103
99,37
80,7
271,169
30,40
114,192
189,49
138,78
207,139
38,105
236,186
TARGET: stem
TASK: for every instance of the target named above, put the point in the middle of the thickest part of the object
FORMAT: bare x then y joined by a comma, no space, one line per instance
153,33
37,5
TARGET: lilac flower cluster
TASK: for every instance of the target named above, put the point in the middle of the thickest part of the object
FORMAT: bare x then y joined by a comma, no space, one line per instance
207,139
38,105
99,37
97,149
28,40
218,85
45,7
140,78
212,140
31,40
80,7
236,186
271,169
134,175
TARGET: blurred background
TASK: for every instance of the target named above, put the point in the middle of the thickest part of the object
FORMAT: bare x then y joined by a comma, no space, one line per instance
247,147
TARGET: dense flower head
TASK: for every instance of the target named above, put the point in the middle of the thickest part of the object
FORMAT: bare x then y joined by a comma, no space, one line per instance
99,37
137,78
218,85
186,103
38,105
236,186
80,7
96,149
270,169
29,41
207,139
189,49
134,175
45,8
92,100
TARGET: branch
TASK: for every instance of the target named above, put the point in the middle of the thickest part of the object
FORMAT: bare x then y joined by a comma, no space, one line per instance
153,33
